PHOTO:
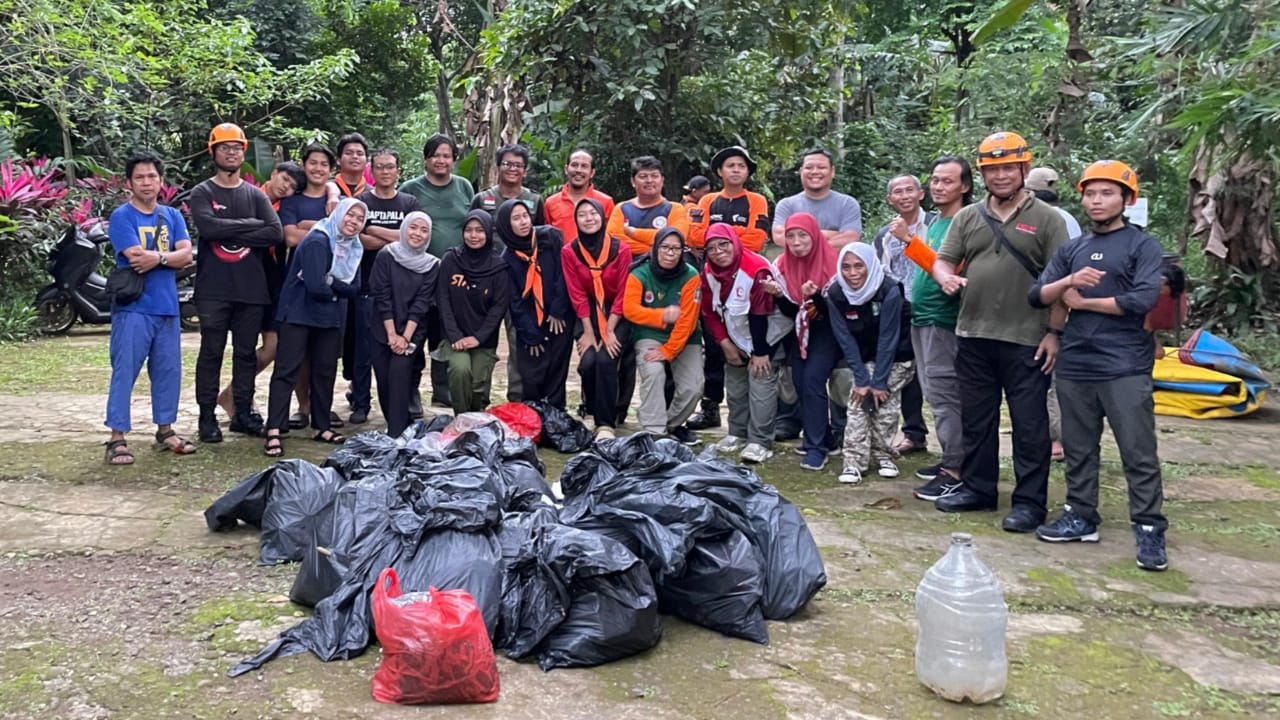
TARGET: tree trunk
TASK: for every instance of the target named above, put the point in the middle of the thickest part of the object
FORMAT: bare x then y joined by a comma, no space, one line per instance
68,152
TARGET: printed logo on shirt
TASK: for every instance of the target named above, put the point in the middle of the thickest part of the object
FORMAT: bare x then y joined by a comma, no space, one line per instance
1028,229
230,252
1096,256
736,219
648,296
851,315
458,281
695,215
659,222
740,292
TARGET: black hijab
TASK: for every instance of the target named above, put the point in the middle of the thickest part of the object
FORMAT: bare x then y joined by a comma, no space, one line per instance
483,261
502,223
658,271
590,244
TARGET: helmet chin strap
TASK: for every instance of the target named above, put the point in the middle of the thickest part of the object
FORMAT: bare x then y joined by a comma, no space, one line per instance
1104,224
1022,170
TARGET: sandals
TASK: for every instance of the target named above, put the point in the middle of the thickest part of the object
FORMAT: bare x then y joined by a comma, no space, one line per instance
298,420
329,437
273,447
184,446
118,453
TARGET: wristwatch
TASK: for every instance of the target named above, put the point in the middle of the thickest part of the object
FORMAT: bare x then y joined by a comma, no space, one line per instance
164,260
1056,331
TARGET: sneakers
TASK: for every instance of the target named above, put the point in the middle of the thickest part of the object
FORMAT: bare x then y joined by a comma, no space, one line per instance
1150,542
942,485
814,461
886,468
850,475
359,417
929,472
706,418
729,444
756,453
604,432
685,436
1069,527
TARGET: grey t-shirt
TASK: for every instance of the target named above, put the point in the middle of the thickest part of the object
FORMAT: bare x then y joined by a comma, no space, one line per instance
836,212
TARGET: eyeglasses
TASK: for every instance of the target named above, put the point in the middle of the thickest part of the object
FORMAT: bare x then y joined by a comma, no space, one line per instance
671,249
725,246
511,165
233,148
386,166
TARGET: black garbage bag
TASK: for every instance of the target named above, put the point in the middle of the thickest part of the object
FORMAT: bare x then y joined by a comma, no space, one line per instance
300,494
243,503
366,453
356,523
519,525
720,589
560,431
419,428
577,599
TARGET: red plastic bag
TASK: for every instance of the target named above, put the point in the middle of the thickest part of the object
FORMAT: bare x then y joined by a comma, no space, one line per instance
522,419
435,648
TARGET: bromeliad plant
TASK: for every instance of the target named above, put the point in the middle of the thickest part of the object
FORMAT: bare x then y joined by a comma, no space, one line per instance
29,187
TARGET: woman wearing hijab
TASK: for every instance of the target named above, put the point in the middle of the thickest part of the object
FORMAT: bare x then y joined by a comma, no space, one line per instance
740,316
473,293
874,331
661,303
595,274
539,302
403,284
325,269
804,269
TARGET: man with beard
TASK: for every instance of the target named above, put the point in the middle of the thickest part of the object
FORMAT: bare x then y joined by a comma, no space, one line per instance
1006,348
446,198
232,292
560,208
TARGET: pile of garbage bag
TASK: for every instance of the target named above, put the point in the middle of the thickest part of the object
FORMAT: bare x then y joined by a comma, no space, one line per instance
463,504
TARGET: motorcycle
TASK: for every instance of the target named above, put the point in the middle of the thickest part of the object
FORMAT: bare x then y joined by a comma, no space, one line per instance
79,291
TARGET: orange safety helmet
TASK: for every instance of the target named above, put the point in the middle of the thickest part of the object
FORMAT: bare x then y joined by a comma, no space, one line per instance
1114,171
227,132
1003,148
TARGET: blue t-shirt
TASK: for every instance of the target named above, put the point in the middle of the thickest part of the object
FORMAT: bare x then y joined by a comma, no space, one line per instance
160,230
297,208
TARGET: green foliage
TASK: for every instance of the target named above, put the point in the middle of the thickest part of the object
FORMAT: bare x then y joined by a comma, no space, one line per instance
1236,303
17,320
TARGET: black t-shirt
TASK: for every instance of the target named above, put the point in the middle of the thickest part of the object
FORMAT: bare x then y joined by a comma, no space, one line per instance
383,213
232,223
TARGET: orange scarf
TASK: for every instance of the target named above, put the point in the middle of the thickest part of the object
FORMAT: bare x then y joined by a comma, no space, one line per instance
347,188
533,281
596,265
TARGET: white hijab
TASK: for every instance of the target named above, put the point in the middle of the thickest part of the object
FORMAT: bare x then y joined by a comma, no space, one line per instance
875,273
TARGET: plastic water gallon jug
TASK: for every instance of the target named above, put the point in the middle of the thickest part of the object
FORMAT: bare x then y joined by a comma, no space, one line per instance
962,617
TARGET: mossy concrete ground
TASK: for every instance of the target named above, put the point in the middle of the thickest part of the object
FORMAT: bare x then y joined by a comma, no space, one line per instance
118,603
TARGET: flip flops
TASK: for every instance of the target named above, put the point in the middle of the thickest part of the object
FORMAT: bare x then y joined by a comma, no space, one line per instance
329,437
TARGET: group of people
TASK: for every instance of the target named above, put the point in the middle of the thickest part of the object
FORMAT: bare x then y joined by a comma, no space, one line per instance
957,307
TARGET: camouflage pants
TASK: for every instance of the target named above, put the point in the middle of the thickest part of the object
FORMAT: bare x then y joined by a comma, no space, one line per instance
871,434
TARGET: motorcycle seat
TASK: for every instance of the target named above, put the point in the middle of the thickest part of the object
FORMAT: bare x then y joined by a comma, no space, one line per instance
96,280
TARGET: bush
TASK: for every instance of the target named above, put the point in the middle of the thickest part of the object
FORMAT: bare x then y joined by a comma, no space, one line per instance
17,320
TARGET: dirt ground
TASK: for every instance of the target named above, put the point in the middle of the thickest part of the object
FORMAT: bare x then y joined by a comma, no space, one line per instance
118,603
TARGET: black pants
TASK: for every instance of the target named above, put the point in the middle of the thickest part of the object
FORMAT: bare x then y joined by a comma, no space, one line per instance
599,374
1127,405
543,377
985,369
713,362
913,427
297,344
244,321
439,370
395,377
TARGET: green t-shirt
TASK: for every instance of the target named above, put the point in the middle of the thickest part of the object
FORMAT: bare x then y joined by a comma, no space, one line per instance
447,205
993,305
930,306
660,293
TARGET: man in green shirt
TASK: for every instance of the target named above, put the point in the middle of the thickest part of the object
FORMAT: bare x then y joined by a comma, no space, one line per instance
933,332
446,198
1005,346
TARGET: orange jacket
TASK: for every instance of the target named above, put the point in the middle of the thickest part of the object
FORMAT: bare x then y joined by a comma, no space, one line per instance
748,213
633,310
677,217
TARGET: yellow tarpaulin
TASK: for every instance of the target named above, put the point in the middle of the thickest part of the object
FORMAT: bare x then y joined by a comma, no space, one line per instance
1201,393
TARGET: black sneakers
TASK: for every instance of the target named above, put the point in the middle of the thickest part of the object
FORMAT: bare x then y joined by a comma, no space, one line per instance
209,432
1069,527
1150,542
706,418
942,484
247,424
685,436
929,472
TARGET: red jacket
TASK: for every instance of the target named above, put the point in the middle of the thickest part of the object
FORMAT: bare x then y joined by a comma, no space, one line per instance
577,277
